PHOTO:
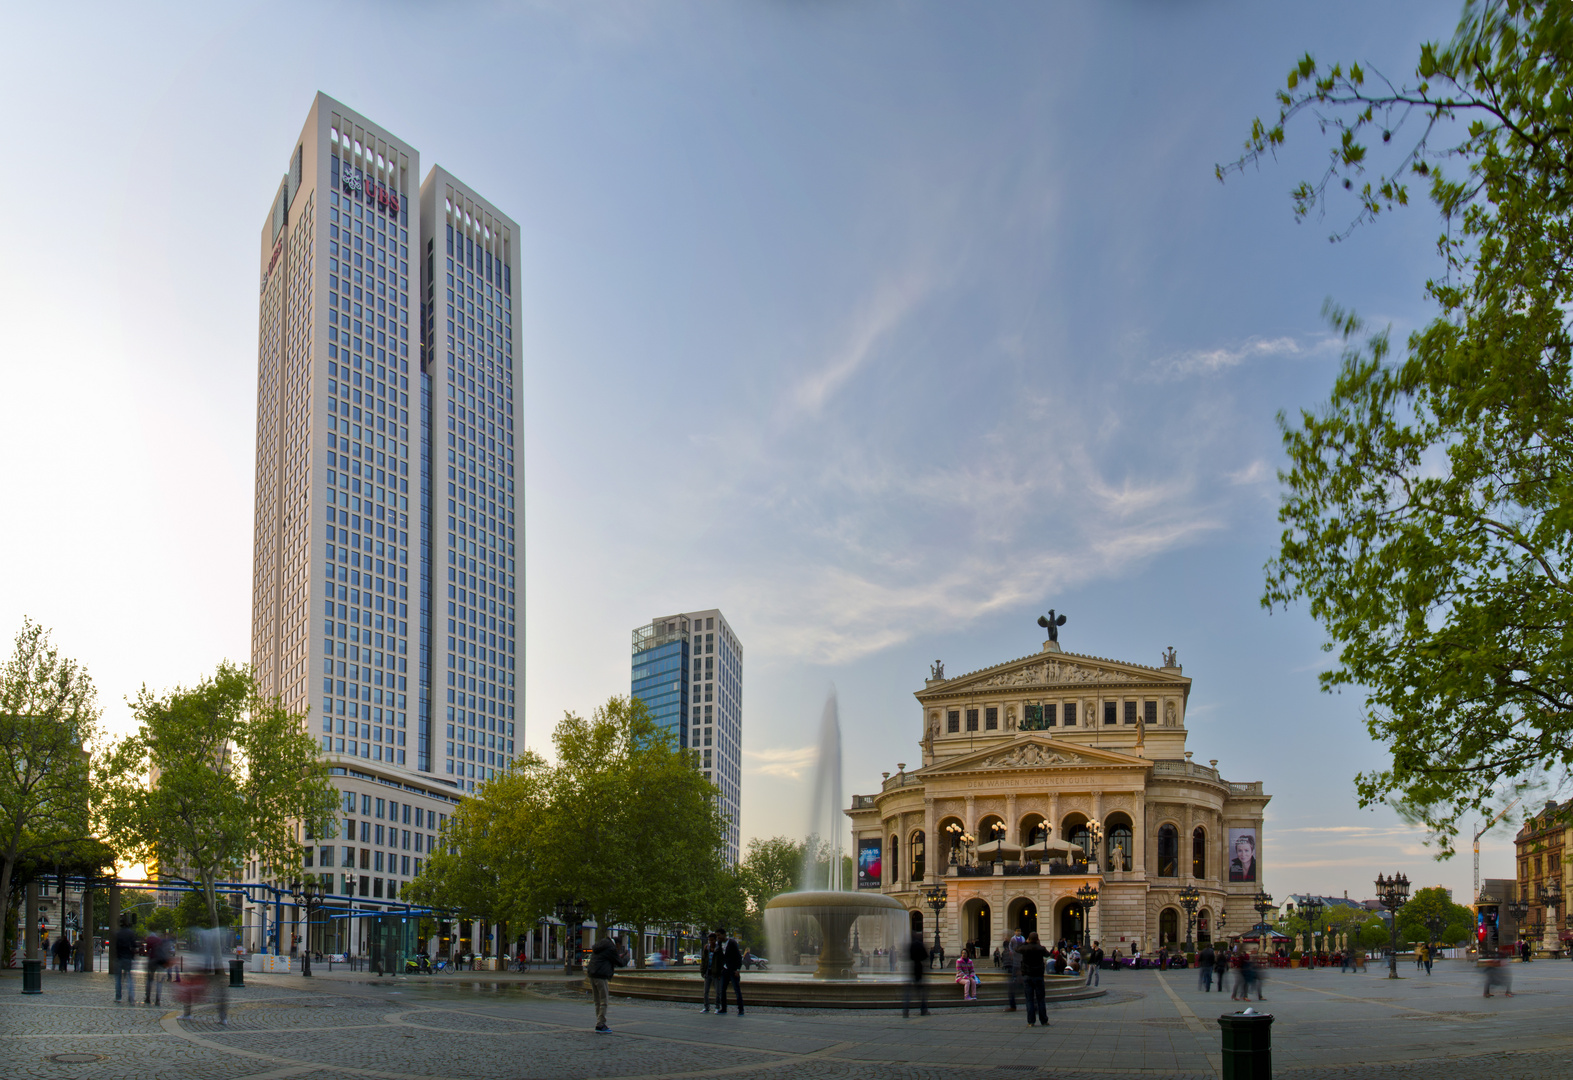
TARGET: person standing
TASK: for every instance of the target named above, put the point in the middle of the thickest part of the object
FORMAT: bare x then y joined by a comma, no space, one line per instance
605,958
1221,965
1204,968
1031,957
1009,960
731,958
919,958
707,971
125,956
1095,964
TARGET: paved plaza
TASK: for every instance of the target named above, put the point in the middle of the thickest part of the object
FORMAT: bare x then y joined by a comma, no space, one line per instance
345,1025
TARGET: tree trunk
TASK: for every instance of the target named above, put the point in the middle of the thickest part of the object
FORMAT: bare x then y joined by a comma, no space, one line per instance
5,904
639,945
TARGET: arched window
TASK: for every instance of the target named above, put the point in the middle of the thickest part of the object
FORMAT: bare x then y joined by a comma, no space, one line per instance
1168,926
1120,847
1199,853
917,855
895,858
1168,851
1077,833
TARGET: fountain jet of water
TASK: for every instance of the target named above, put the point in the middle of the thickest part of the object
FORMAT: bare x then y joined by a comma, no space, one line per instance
825,811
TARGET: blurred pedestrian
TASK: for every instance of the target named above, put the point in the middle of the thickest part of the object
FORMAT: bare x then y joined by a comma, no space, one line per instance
1204,968
707,971
1008,960
125,956
918,957
1496,973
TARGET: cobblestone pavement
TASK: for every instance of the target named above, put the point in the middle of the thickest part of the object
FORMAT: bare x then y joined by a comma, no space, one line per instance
354,1027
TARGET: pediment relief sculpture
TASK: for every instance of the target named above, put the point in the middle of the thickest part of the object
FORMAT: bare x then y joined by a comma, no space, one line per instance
1055,671
1031,754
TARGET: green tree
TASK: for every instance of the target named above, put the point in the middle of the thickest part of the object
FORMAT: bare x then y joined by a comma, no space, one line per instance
1458,922
212,776
769,868
1427,517
48,733
623,822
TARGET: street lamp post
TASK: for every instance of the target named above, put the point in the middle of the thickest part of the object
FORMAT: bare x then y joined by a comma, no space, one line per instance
1095,838
1519,911
1551,901
1088,895
935,897
1312,909
1190,900
308,895
571,913
1263,903
1393,893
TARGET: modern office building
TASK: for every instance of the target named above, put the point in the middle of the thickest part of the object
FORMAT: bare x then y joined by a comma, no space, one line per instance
388,568
688,670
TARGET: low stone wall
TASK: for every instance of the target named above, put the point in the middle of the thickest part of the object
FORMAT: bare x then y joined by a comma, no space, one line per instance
866,993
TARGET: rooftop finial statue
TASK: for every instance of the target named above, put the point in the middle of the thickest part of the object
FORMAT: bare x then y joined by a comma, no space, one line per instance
1170,657
937,670
1050,623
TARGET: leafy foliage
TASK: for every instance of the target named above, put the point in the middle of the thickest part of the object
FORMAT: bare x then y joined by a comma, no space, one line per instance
623,823
1456,921
48,733
1429,504
214,775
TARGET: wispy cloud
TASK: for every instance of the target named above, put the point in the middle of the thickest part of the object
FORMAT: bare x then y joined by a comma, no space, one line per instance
885,310
1256,472
789,762
1221,358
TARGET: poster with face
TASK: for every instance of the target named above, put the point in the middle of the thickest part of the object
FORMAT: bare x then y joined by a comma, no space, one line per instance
868,864
1242,854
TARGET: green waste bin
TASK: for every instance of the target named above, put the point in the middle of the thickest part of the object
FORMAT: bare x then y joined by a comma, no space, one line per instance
237,973
1247,1045
32,976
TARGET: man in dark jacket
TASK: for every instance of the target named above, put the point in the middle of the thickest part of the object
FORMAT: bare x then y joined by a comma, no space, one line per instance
729,958
605,959
919,957
1204,967
1032,957
125,954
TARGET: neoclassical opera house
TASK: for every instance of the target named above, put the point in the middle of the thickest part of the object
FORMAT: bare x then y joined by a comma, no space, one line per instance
1018,759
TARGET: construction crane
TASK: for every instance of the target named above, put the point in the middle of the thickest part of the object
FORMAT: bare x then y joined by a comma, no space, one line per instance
1481,832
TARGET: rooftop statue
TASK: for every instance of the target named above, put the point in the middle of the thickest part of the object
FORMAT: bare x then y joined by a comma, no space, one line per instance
1051,624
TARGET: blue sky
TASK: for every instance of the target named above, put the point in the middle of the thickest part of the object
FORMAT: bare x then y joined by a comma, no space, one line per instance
883,327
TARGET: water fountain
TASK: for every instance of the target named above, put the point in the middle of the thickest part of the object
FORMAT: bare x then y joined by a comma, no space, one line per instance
828,916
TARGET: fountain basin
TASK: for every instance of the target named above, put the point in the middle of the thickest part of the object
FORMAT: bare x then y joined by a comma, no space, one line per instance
835,913
876,990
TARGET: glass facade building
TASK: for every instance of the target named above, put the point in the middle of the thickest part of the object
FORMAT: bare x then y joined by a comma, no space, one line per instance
688,670
388,555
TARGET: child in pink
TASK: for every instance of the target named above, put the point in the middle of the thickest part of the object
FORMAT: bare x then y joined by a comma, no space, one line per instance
967,976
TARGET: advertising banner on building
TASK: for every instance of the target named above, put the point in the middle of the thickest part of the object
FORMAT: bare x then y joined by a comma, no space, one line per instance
868,864
1242,854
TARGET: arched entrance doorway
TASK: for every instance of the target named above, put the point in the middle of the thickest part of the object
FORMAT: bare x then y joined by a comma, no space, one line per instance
1072,922
1204,927
1022,915
1168,928
976,925
917,923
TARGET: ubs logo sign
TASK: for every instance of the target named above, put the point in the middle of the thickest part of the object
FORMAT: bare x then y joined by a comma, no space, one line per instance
357,182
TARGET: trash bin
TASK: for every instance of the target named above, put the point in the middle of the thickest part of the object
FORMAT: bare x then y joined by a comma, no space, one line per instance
32,976
1247,1045
237,973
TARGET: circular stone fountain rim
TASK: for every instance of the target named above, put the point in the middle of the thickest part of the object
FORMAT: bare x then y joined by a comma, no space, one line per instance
819,898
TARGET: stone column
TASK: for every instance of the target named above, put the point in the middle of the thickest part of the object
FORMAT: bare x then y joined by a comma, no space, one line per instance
1054,816
1139,828
930,848
114,927
1010,817
1187,847
972,816
1097,816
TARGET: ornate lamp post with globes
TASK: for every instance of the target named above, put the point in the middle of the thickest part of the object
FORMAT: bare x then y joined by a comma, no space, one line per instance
1263,903
1190,900
935,897
1088,895
1392,893
571,913
1311,907
308,897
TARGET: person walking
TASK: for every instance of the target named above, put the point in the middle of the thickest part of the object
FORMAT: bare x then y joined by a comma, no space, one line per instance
1009,960
605,958
125,956
60,953
1204,968
967,978
1496,975
1430,957
918,956
1095,965
1031,957
731,958
1221,965
707,971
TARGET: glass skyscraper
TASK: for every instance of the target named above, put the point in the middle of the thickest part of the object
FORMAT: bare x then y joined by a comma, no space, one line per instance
688,670
388,559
